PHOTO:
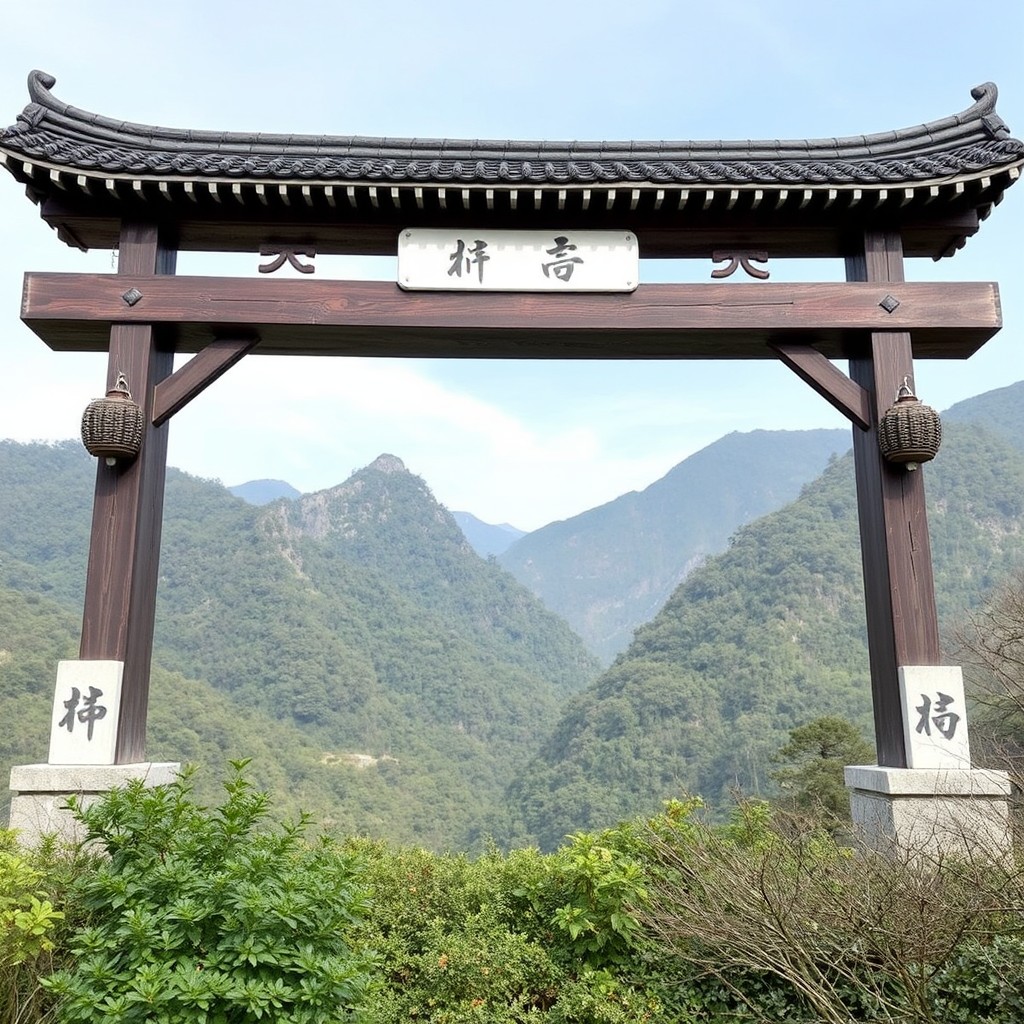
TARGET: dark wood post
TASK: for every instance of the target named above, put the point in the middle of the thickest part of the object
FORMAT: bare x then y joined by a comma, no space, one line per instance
895,547
124,552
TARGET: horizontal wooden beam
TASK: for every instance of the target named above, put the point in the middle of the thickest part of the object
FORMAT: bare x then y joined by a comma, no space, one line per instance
657,321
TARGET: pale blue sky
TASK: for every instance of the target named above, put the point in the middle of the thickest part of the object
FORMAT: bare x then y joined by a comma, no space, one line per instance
524,442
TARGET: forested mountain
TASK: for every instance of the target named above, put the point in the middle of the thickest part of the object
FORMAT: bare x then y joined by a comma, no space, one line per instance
189,721
757,640
610,569
400,679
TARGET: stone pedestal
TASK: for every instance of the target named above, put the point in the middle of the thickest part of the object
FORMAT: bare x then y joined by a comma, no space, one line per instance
41,790
931,811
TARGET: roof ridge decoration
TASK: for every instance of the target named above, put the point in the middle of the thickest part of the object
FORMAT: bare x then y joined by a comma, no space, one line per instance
962,145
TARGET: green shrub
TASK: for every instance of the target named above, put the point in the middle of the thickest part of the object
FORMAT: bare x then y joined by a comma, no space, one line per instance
488,940
455,941
601,884
33,883
201,917
983,982
27,916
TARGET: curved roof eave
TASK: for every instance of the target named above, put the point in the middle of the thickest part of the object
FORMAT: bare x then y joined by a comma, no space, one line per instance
67,139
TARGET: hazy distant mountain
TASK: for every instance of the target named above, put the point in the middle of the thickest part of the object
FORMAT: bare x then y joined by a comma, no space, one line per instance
486,539
262,492
608,570
1001,411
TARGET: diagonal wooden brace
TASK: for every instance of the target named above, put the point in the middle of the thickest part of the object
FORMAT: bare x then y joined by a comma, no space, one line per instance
831,383
175,392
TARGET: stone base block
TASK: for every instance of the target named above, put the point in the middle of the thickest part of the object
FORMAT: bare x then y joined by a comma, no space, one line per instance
932,812
41,791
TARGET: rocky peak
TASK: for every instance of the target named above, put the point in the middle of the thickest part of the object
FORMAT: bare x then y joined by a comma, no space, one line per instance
387,464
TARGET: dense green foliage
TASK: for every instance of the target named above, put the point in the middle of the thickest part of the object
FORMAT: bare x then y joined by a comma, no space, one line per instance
188,720
610,569
33,887
192,916
45,516
758,641
508,938
198,917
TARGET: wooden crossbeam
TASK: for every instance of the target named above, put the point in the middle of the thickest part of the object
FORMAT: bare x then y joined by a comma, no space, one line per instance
318,317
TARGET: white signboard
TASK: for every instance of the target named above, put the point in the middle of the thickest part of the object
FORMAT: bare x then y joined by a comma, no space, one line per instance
934,716
518,261
86,709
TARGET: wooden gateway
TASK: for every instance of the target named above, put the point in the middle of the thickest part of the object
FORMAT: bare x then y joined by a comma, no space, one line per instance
149,192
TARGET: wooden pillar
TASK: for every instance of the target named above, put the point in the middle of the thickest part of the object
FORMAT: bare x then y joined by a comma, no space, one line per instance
895,547
124,552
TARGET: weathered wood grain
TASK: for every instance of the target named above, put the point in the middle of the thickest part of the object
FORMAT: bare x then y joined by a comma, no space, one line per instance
316,317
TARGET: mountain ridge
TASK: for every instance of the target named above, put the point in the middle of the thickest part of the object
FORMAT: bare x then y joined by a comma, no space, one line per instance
487,539
262,492
608,569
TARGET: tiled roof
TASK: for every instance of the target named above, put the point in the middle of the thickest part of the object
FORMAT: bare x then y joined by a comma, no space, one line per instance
63,136
353,194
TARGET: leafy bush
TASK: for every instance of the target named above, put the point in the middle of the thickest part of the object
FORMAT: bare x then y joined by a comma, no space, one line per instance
507,938
199,917
453,937
601,883
27,917
33,884
983,981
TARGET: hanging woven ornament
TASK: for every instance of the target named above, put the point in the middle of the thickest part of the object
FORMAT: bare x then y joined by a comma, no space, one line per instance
112,427
910,432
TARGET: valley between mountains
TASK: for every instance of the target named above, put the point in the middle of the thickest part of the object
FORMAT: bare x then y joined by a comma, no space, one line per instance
394,681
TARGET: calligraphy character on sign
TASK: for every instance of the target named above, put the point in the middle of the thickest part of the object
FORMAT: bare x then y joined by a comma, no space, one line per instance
465,258
563,264
90,713
944,720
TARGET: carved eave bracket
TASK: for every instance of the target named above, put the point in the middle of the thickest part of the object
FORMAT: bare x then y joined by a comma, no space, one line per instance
740,259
